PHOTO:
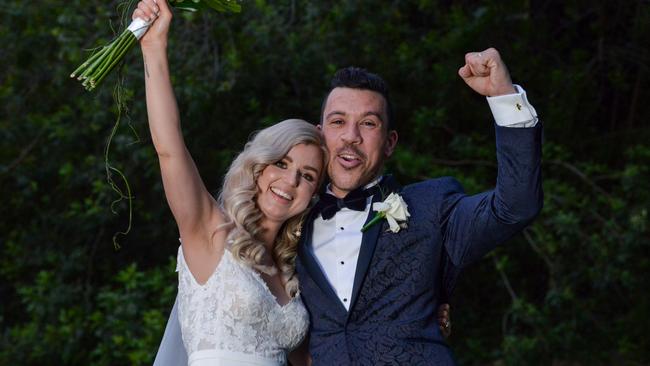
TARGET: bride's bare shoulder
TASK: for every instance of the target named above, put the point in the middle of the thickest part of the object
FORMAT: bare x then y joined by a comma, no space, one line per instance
204,246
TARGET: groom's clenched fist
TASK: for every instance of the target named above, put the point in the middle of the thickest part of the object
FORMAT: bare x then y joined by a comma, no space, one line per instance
486,73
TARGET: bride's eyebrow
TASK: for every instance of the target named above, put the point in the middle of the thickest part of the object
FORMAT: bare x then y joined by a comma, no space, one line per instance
309,167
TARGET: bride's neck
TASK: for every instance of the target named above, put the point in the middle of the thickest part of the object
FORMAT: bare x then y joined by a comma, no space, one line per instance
269,232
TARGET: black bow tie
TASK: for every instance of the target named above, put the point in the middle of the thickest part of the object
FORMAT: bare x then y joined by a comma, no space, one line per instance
328,205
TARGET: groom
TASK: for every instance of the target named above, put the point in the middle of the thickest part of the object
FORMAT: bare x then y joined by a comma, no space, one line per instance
371,294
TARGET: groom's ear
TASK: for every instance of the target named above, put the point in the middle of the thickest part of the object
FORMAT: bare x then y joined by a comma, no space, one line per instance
391,142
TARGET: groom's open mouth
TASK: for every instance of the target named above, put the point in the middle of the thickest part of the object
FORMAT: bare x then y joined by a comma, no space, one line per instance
348,160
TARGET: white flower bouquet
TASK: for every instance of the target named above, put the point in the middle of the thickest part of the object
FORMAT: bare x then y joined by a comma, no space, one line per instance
104,59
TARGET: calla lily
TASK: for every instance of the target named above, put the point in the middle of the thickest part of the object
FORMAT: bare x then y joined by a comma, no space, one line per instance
394,209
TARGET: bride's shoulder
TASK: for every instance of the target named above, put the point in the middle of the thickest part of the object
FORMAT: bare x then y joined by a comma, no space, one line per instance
207,235
203,249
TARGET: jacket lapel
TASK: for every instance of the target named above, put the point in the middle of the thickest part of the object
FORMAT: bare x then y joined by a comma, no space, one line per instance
369,240
309,260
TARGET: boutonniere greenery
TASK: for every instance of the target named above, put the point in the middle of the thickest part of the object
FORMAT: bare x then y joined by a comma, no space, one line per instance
393,209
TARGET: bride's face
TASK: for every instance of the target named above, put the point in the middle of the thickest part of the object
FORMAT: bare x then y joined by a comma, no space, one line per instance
286,187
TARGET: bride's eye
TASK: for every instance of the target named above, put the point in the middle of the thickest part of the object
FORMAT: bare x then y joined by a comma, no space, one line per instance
281,164
308,177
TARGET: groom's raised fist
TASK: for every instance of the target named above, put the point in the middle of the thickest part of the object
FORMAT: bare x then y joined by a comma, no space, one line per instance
486,73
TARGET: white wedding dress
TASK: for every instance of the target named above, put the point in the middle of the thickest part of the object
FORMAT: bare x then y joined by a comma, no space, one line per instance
234,319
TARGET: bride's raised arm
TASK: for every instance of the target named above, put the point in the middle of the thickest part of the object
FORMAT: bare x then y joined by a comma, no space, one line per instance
195,210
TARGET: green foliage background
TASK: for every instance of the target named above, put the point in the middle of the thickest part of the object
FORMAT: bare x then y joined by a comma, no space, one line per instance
568,291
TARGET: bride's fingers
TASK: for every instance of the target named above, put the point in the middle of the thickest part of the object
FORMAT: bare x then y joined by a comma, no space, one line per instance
147,11
137,13
162,9
153,6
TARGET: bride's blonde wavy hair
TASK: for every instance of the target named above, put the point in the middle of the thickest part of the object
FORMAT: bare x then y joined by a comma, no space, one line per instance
239,192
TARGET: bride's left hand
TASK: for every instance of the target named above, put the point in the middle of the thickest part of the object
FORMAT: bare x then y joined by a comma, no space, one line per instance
444,320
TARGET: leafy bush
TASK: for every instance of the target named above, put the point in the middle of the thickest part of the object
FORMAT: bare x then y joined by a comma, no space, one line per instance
569,290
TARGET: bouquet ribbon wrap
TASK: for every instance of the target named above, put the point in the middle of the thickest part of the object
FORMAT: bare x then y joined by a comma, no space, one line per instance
138,27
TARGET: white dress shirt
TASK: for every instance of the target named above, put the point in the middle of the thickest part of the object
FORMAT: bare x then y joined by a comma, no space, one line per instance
337,241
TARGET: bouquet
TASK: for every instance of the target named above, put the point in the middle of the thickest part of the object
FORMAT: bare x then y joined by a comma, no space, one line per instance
104,59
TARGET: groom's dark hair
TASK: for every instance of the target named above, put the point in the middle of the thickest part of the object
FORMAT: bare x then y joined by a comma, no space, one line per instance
359,78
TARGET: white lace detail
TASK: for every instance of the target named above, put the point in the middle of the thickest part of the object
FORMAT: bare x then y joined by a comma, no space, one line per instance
235,311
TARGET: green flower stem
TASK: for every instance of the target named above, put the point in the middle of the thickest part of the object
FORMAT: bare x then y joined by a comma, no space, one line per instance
88,73
379,216
122,48
98,59
95,69
111,53
83,66
98,62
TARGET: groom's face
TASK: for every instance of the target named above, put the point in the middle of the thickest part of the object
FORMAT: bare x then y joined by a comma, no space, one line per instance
354,124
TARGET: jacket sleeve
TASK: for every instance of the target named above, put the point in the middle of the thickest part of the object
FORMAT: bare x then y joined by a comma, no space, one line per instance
473,225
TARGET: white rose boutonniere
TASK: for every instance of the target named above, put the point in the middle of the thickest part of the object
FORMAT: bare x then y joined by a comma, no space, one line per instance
393,209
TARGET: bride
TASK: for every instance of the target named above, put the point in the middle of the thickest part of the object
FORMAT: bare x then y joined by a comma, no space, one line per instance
238,300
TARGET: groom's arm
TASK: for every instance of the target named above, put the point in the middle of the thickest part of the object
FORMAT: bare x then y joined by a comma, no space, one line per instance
473,225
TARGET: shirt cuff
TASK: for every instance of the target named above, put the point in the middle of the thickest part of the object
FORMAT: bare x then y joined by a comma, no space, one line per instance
513,110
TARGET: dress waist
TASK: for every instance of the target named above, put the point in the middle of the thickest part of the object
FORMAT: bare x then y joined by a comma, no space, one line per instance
215,357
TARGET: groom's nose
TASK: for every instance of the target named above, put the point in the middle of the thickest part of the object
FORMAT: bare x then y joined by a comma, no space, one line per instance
351,134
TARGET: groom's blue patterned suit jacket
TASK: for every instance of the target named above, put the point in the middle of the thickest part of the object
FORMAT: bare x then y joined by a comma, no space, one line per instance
401,277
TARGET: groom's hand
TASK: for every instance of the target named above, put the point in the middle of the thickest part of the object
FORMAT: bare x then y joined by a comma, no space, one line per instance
486,73
444,320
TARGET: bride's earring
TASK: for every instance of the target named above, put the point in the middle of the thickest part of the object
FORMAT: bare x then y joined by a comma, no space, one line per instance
313,200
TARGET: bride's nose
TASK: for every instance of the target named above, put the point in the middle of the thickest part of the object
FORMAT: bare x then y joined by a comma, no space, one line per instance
292,177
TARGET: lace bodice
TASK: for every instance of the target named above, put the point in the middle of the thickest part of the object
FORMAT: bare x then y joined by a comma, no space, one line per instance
235,311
